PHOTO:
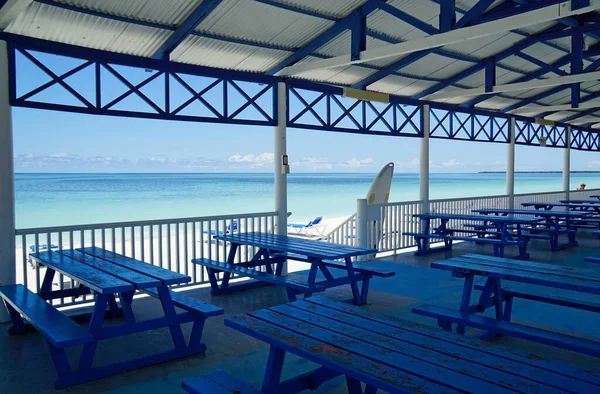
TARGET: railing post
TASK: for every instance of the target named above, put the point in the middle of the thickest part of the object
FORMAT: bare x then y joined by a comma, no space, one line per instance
280,154
7,186
424,162
566,173
510,166
361,224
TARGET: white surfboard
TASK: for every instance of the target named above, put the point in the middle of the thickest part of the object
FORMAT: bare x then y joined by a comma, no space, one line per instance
379,193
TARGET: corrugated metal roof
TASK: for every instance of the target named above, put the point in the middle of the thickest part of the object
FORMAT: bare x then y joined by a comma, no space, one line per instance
235,33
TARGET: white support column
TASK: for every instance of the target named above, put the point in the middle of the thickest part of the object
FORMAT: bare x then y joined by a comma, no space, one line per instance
510,166
7,188
424,163
280,151
566,174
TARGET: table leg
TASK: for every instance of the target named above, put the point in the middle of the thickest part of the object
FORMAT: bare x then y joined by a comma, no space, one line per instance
354,386
230,260
126,298
89,349
169,309
353,284
46,286
273,371
465,301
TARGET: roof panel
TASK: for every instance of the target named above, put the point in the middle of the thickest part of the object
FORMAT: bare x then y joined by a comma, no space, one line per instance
216,53
259,22
171,12
56,24
336,8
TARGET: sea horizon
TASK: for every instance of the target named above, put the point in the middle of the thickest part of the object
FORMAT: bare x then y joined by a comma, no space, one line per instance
45,199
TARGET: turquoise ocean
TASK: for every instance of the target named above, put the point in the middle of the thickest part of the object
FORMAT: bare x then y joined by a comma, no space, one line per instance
66,199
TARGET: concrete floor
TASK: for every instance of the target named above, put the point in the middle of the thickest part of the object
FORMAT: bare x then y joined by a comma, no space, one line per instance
26,366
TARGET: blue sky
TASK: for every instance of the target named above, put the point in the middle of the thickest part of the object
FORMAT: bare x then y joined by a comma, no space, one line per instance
66,142
47,141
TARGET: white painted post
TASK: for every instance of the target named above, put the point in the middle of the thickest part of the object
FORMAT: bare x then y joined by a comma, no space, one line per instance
361,224
280,151
510,166
566,174
424,163
7,186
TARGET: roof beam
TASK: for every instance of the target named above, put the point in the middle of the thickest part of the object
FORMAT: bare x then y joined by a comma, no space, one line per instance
475,11
576,64
532,110
10,10
541,15
447,15
411,20
186,28
515,87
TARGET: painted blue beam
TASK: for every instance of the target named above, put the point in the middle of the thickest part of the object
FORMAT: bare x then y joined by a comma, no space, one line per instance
539,63
411,20
329,34
490,74
447,15
474,12
359,36
576,65
185,28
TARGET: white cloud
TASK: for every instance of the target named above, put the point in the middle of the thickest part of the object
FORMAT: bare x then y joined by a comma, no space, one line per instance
452,163
313,163
594,164
356,163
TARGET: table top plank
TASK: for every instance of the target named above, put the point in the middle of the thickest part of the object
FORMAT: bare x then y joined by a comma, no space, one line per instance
309,248
572,272
482,218
434,334
90,277
551,213
454,357
560,204
402,356
167,277
362,368
580,201
543,279
140,281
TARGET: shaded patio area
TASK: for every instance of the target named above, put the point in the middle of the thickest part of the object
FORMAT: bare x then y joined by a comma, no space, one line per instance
26,365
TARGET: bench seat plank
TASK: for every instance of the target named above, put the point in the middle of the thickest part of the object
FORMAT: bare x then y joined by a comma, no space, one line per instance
52,324
512,329
365,369
140,281
458,238
90,277
190,304
167,277
509,291
436,337
466,267
259,275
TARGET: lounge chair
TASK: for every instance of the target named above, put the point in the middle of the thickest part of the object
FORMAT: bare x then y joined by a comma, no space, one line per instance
43,247
313,225
228,229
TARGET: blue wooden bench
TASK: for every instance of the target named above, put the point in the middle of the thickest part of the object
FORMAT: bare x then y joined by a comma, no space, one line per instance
390,354
218,382
214,267
58,329
500,297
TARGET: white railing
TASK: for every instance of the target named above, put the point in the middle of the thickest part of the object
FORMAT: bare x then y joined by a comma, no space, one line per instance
398,219
170,244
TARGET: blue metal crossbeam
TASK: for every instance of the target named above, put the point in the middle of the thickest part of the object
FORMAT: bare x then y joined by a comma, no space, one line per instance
447,15
576,64
359,36
474,12
186,27
411,20
490,74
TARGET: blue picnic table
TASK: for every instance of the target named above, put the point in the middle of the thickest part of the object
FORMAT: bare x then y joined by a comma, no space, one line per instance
107,276
505,231
273,250
386,353
495,294
595,201
584,207
555,223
